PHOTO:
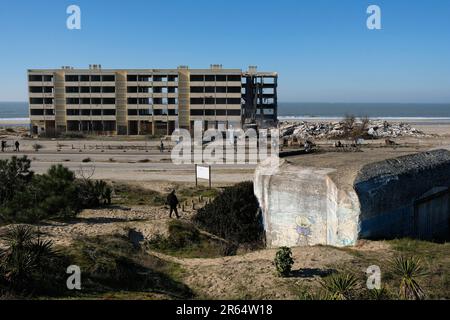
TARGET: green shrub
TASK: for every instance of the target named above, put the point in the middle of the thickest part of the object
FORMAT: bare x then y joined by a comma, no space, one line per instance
409,269
15,174
233,215
29,265
28,198
339,286
284,261
185,240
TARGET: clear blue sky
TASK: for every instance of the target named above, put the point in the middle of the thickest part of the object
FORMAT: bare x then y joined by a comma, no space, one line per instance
321,48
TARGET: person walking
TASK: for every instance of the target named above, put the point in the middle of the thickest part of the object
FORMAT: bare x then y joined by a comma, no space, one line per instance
17,144
172,201
3,145
161,146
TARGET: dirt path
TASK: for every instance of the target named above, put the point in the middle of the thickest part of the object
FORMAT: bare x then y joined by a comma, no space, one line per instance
250,275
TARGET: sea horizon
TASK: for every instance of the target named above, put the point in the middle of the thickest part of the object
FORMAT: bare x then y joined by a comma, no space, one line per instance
18,111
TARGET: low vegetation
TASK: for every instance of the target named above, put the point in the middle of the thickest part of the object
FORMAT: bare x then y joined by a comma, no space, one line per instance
284,261
31,267
185,240
28,198
113,264
233,215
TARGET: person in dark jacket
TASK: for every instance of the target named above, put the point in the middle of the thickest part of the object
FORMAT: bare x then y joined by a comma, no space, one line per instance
3,145
17,144
172,201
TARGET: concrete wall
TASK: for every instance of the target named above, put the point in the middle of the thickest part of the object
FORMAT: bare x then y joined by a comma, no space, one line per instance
405,196
303,206
391,193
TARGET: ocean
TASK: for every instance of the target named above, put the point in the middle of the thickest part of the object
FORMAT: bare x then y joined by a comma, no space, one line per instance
302,110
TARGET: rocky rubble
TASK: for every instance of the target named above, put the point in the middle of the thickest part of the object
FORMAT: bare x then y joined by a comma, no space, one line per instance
331,130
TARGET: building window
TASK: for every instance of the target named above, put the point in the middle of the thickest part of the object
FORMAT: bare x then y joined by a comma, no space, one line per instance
95,78
173,78
221,112
196,112
84,78
48,100
37,112
108,78
210,112
73,112
131,77
108,89
234,77
197,89
85,112
234,101
85,101
36,89
72,101
132,112
145,112
221,89
109,101
132,89
144,78
221,77
96,101
85,89
210,101
33,77
210,89
72,89
132,100
221,101
234,89
209,77
145,101
195,77
234,112
109,112
71,78
96,89
197,101
96,112
36,100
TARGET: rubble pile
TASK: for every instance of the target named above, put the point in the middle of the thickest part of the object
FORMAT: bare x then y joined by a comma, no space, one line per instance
332,130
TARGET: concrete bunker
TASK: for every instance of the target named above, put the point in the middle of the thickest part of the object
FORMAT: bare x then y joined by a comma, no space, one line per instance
325,199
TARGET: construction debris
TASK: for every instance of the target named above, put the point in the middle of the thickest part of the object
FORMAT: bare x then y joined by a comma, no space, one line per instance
303,130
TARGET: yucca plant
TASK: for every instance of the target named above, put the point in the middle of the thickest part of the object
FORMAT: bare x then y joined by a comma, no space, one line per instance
379,294
409,269
339,286
23,256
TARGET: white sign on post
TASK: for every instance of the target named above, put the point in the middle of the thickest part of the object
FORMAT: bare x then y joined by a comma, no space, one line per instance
203,172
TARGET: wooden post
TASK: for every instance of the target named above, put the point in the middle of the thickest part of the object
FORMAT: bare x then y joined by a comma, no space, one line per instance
210,177
196,182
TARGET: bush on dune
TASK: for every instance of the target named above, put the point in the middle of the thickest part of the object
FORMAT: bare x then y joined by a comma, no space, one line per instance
28,198
233,215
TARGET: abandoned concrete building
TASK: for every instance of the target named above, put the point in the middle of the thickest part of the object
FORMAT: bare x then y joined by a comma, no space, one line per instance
336,200
149,101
